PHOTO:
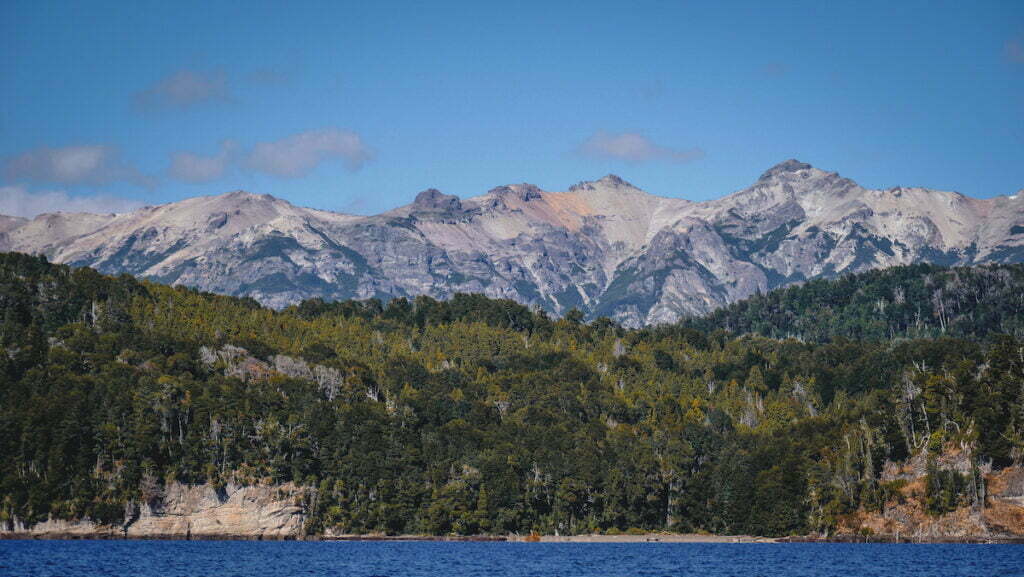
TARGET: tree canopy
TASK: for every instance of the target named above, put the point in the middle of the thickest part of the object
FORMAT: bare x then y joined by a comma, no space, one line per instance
476,415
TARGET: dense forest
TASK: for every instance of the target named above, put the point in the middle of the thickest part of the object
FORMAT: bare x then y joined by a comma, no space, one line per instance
915,301
482,416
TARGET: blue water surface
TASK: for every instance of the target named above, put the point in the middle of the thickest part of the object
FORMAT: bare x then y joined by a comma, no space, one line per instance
367,559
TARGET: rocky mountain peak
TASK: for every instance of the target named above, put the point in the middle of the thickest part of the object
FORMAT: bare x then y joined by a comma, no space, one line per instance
795,179
524,192
607,181
608,248
240,200
245,195
234,202
614,180
434,200
784,168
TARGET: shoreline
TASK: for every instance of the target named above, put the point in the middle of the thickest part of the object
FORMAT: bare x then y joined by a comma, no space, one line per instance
643,538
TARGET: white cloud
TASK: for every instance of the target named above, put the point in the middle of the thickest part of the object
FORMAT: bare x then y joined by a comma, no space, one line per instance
18,201
71,165
635,148
299,154
191,167
185,88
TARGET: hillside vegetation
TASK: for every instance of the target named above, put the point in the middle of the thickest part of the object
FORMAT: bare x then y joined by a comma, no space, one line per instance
480,416
915,301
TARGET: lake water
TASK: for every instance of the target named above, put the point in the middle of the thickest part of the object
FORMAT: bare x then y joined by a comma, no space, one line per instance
239,558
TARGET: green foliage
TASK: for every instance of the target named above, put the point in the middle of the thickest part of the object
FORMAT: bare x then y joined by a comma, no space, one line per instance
916,301
472,415
944,488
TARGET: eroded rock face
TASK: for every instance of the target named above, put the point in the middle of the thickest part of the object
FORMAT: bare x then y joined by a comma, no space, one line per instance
196,512
259,512
433,200
60,528
995,510
603,246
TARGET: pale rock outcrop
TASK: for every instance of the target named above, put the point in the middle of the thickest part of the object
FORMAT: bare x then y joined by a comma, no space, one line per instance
237,362
193,512
201,511
63,528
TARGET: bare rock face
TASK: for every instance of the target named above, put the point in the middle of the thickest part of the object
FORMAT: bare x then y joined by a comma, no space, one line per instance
604,246
59,528
433,200
194,512
200,511
996,512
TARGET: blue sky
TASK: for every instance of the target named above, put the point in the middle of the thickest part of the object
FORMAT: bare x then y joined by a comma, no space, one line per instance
353,107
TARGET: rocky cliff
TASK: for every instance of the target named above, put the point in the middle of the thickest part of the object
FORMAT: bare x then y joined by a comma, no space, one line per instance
605,246
194,512
995,509
278,512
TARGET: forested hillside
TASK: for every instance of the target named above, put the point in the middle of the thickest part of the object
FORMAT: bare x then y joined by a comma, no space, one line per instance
914,301
480,416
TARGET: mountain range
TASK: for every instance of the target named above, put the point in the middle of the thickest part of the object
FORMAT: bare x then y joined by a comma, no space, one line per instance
605,246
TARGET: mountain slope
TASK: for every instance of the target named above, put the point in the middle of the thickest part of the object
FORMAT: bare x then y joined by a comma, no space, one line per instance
135,409
604,247
916,301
